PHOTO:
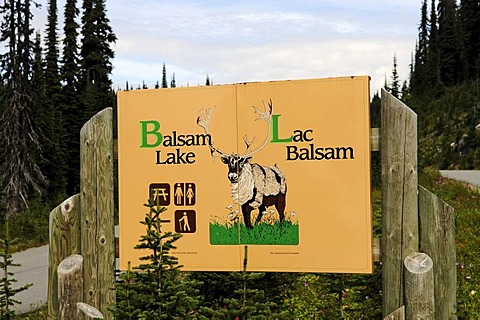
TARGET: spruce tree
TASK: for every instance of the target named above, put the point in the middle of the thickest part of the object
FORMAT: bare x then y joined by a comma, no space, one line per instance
7,292
38,73
96,59
395,86
172,83
55,167
19,140
432,68
70,105
470,25
450,63
243,295
52,77
164,76
156,289
421,52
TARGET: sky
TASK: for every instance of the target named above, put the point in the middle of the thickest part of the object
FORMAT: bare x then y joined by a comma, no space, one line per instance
251,40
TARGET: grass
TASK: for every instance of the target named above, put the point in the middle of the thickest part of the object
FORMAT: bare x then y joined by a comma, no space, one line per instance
269,232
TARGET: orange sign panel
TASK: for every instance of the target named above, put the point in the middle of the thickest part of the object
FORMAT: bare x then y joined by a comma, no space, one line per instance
282,168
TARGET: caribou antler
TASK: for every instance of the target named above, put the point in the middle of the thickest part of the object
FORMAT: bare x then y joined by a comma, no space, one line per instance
267,116
203,120
248,143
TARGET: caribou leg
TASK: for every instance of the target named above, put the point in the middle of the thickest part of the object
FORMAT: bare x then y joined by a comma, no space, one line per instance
246,211
261,211
280,205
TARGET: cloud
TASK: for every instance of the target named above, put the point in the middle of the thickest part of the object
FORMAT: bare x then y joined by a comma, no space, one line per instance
249,40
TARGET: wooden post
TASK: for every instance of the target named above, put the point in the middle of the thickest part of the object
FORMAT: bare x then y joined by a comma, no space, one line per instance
97,202
87,312
399,196
398,314
437,234
70,286
64,240
419,287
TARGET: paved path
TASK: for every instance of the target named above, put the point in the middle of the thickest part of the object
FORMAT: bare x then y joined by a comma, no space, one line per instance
469,176
33,269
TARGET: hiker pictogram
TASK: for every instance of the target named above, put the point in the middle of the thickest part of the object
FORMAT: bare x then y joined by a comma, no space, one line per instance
185,221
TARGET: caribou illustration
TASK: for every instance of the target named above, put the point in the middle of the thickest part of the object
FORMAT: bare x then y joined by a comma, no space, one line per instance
253,186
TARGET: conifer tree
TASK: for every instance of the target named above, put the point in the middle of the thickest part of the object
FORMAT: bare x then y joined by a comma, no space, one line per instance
450,63
395,86
19,139
470,24
421,51
70,72
38,74
156,289
245,302
243,295
385,84
164,76
52,77
172,83
432,68
7,292
55,167
96,55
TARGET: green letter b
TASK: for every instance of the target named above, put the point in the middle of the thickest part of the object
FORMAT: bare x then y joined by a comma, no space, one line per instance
150,128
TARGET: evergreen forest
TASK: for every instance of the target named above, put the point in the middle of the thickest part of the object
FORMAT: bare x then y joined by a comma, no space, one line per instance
50,87
444,84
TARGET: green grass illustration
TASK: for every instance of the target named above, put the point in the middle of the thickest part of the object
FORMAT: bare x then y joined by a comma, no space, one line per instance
234,233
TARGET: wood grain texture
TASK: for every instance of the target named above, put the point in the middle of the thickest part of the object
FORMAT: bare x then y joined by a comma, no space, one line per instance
97,202
437,239
399,196
419,287
70,286
64,240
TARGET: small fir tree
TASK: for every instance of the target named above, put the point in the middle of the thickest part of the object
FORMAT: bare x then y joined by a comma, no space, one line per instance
156,289
395,87
6,291
240,295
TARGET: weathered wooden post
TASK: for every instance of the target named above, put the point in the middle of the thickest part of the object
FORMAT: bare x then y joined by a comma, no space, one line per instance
97,219
70,286
437,234
419,287
64,240
84,223
399,197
